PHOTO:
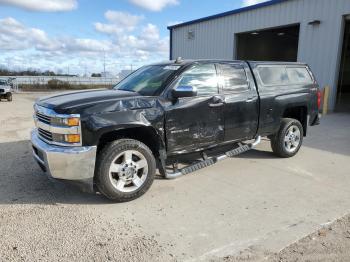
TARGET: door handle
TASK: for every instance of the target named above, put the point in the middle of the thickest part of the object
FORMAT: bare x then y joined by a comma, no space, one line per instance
216,104
250,99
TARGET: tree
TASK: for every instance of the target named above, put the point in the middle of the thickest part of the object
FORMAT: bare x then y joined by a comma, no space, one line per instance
96,75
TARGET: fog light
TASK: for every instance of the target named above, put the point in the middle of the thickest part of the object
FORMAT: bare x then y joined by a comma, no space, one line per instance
72,138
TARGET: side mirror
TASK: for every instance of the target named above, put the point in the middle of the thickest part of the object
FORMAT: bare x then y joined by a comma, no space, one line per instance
184,91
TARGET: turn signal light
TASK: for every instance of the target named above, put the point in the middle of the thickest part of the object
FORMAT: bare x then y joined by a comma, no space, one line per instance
73,121
72,138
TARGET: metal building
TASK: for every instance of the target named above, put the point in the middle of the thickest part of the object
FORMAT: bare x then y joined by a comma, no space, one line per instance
313,31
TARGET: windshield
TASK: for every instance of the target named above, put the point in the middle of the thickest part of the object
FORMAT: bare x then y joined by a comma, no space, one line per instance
3,83
148,80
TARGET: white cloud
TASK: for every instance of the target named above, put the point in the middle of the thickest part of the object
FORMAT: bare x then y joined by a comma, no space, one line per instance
154,5
123,19
132,39
119,22
252,2
136,44
16,36
148,42
174,23
42,5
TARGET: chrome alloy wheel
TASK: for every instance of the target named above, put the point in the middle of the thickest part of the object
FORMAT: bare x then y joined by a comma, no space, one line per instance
292,139
128,171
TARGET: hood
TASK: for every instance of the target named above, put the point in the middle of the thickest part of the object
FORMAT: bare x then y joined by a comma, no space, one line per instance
65,101
5,87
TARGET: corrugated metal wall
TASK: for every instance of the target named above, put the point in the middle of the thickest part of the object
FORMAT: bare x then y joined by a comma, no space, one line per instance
319,46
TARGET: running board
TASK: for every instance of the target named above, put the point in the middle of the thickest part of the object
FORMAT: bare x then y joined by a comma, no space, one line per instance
212,160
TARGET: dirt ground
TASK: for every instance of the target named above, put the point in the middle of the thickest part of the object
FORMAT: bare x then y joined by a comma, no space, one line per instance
252,208
331,243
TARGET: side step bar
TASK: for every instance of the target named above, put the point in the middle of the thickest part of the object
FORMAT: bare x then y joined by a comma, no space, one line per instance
212,160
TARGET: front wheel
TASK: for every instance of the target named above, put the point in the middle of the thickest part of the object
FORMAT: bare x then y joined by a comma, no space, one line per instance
289,138
9,97
125,170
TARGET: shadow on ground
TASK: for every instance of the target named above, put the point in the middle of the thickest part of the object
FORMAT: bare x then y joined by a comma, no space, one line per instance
23,182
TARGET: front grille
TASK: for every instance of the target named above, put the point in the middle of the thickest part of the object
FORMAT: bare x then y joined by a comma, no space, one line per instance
45,134
2,90
43,118
50,129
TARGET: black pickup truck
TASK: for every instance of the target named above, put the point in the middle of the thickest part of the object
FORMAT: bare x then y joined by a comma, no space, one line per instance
166,115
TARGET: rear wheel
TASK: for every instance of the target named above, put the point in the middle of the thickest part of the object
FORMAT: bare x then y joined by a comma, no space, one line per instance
9,97
289,138
125,170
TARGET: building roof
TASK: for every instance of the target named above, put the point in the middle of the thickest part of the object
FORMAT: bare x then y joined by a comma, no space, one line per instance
232,12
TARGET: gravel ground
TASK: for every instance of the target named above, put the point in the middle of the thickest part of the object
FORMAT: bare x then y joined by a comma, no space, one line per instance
46,220
217,214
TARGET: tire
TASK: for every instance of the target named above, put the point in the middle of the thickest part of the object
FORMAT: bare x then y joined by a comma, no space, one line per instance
289,138
120,163
9,97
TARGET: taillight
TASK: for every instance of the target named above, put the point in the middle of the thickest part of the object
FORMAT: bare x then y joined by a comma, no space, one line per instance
319,97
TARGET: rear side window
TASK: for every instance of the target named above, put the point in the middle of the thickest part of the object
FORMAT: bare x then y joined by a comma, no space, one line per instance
299,75
273,75
233,78
203,77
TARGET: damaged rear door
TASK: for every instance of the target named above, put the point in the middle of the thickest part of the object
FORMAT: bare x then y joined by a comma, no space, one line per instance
194,123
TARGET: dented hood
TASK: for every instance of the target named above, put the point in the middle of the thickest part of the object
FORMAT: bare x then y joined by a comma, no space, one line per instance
66,101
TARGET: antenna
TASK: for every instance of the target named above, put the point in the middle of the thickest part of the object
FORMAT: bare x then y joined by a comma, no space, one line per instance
178,60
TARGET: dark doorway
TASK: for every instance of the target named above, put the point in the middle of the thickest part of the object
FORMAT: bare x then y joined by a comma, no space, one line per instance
277,44
343,90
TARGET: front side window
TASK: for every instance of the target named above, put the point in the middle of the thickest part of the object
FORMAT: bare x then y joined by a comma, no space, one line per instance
273,75
299,75
202,77
233,78
148,80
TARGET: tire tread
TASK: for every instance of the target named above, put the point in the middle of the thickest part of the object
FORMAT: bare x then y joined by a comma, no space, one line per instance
277,141
103,163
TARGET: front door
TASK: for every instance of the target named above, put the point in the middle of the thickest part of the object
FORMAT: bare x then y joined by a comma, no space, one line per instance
194,123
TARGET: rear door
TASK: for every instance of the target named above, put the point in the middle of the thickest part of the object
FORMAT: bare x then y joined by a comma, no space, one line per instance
194,123
241,111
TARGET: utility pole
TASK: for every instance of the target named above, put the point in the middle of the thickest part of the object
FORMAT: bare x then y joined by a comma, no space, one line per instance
104,63
8,63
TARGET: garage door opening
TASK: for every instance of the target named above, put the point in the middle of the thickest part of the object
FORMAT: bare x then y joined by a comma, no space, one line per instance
277,44
343,96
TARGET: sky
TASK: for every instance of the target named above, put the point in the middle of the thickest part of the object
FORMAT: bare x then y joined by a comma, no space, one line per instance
83,36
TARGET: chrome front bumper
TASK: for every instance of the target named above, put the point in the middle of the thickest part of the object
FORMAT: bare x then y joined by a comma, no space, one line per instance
68,163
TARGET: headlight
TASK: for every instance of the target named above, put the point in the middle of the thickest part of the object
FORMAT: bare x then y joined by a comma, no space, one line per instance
69,121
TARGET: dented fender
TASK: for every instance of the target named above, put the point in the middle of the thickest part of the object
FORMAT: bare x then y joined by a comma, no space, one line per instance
129,114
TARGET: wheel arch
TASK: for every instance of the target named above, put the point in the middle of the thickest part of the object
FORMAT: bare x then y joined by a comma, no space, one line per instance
145,134
300,113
